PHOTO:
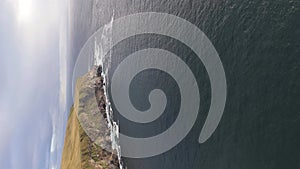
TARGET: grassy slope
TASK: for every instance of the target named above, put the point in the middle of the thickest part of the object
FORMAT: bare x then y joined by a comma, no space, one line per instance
80,152
71,157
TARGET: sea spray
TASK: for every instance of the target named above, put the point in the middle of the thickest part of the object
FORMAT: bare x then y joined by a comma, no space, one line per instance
104,60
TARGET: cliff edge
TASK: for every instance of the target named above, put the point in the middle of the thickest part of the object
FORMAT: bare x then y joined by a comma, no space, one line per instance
87,128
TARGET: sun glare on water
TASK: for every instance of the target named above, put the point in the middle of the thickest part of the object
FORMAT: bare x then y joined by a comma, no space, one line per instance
25,10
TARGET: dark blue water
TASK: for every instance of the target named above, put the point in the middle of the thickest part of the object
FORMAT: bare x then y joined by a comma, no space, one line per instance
258,43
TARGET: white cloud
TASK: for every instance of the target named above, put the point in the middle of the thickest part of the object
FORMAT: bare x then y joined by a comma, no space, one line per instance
25,122
63,41
53,142
59,110
56,143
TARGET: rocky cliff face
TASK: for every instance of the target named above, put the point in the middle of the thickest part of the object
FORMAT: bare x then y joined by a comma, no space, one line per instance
88,141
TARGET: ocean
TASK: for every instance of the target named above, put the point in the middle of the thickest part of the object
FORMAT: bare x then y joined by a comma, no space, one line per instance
258,45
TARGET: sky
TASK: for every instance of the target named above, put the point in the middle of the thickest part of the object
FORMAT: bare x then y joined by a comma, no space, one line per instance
34,87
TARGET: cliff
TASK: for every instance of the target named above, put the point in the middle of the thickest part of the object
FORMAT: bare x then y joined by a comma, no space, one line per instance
87,141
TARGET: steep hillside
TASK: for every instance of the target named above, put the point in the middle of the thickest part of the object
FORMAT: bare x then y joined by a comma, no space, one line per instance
87,128
71,157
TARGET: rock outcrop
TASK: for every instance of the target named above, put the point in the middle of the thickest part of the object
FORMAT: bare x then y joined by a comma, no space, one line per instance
87,141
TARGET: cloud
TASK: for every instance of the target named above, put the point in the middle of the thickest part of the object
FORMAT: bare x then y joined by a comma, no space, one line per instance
59,110
32,114
63,51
